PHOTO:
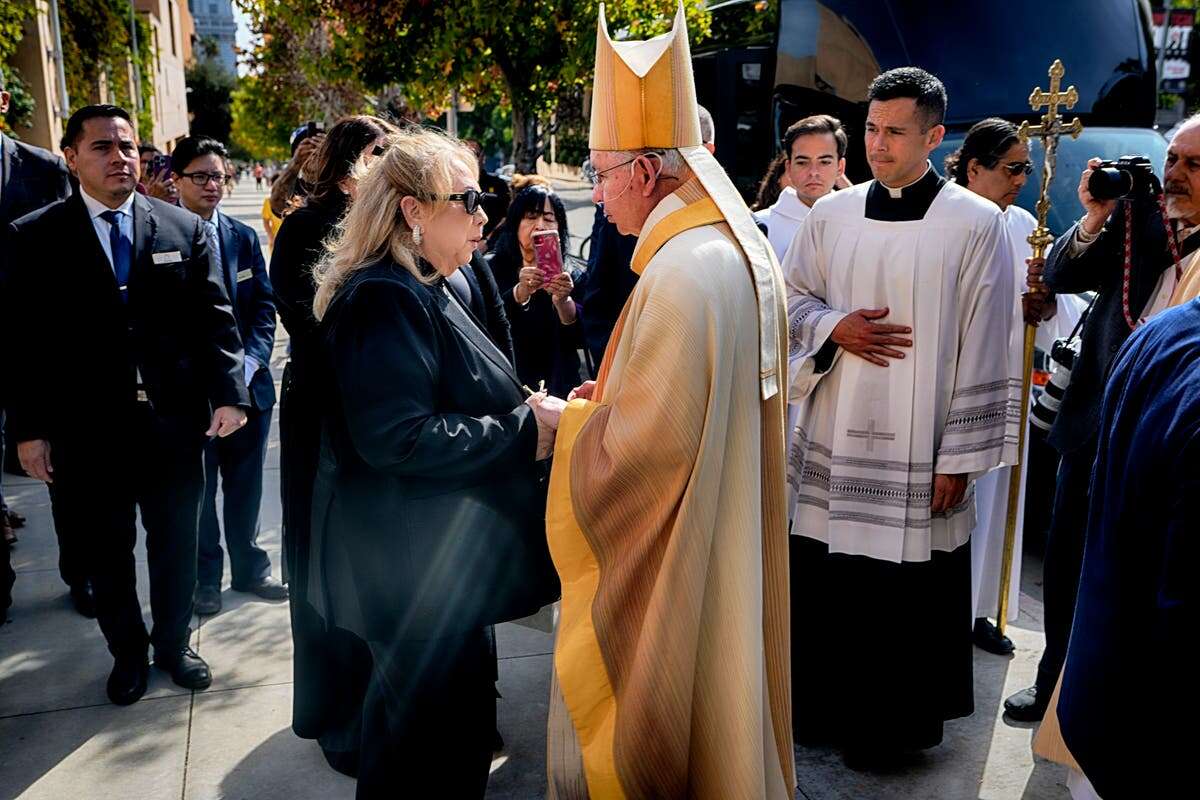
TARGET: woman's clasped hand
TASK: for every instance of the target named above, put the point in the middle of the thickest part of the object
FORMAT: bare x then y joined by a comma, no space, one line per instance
546,410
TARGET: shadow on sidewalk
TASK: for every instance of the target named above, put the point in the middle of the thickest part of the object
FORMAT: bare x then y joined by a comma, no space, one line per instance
273,770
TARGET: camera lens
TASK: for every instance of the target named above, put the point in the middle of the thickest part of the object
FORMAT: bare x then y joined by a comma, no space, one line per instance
1109,183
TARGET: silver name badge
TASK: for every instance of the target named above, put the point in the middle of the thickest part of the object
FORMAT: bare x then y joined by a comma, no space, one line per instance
245,275
173,257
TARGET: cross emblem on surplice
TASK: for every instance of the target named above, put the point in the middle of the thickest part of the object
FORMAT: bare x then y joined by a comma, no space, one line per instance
871,434
1049,131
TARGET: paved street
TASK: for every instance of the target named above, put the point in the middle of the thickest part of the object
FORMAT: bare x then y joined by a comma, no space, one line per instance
60,738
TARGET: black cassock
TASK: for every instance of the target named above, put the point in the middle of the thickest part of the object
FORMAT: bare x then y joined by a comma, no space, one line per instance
881,650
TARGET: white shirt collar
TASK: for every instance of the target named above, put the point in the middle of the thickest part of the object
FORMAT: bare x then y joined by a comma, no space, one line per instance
665,206
96,208
790,205
898,192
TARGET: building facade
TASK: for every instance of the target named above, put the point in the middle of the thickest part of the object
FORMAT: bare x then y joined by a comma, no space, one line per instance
170,26
168,106
215,24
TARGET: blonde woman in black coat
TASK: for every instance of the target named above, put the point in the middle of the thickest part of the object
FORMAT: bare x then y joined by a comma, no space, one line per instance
428,512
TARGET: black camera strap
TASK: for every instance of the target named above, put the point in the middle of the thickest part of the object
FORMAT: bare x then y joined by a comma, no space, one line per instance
1083,317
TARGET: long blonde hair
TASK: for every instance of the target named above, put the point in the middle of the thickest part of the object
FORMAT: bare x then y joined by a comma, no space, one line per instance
416,162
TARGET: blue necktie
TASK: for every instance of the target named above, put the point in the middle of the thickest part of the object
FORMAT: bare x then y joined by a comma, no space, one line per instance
122,251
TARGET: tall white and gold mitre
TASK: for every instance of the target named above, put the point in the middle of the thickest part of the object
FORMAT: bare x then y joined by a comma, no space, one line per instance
644,96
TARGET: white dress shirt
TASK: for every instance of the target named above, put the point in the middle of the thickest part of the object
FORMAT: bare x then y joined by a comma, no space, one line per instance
103,229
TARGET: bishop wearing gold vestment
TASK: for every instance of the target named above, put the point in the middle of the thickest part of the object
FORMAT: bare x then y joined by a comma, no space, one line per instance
666,515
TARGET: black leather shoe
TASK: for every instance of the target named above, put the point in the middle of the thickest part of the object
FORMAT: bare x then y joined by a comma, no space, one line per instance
127,681
208,600
84,601
268,589
1027,705
988,637
187,669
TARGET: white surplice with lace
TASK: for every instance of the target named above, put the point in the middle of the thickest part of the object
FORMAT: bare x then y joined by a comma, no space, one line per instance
869,439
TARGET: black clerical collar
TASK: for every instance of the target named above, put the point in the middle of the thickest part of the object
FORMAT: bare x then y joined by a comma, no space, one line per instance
907,203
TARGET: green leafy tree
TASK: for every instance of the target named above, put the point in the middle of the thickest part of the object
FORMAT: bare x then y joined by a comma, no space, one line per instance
12,17
293,77
97,42
210,99
520,54
258,132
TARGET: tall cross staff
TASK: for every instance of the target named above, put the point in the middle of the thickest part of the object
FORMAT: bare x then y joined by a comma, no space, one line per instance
1049,131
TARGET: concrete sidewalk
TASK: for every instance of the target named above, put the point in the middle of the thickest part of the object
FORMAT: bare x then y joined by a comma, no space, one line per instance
60,738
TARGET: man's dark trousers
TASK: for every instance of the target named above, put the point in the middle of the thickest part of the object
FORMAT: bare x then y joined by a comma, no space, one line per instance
159,472
1064,560
238,462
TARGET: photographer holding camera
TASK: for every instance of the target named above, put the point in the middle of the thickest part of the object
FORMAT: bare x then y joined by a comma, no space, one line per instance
1130,248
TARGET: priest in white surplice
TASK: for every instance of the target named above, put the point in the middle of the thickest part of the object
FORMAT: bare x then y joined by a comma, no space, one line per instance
899,303
994,163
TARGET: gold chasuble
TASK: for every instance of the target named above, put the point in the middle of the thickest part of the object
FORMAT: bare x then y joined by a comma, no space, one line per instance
666,515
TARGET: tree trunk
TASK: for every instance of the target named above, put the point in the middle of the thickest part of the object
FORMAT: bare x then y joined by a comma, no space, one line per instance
526,145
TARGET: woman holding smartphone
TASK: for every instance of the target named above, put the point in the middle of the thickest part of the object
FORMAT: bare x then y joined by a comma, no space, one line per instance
537,296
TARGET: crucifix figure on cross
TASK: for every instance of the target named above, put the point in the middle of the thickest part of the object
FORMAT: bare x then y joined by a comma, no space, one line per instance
1049,131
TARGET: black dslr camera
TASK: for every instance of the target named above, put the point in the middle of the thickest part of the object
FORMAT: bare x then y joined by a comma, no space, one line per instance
1128,176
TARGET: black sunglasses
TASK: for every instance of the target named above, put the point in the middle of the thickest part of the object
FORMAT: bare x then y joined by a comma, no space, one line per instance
471,199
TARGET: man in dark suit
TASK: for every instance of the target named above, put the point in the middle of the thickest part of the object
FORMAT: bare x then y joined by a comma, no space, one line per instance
198,169
129,344
1091,257
30,178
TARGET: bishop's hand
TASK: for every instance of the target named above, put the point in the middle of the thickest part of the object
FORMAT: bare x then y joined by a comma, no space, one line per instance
584,391
858,333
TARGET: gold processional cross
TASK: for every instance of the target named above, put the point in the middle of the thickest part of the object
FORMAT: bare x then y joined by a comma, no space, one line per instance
1049,131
